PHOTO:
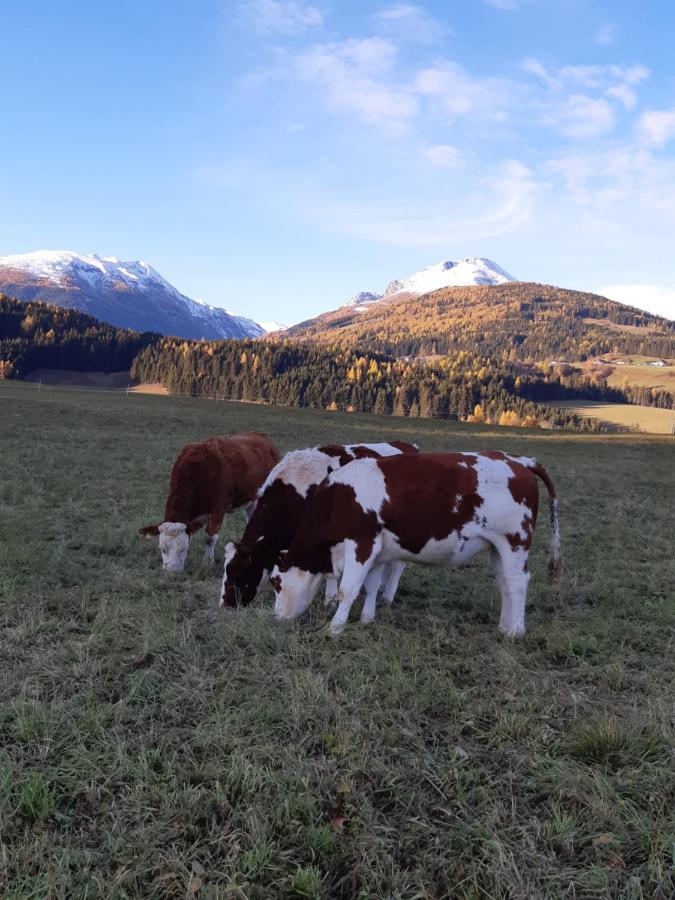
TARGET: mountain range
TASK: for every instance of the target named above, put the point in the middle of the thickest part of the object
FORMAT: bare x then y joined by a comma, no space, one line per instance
124,294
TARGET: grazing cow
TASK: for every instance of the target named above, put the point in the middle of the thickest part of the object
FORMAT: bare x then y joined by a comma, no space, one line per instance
278,512
437,509
209,479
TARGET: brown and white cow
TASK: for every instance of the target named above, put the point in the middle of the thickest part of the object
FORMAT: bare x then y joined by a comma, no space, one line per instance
209,479
278,512
436,509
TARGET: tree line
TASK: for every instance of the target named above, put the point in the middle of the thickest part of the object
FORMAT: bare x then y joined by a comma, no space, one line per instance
43,336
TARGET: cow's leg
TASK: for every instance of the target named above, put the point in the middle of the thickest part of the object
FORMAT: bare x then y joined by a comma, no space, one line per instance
371,586
390,579
213,527
331,590
354,574
513,578
498,570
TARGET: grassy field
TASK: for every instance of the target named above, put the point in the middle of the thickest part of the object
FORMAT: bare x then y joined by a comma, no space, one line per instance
623,415
155,746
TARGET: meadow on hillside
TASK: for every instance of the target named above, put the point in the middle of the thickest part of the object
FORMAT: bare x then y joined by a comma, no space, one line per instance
153,745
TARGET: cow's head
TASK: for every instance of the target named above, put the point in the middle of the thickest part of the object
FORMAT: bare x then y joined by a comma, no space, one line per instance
242,576
174,541
294,589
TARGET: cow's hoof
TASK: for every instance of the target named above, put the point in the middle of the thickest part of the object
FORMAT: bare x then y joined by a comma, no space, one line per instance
367,620
335,630
512,632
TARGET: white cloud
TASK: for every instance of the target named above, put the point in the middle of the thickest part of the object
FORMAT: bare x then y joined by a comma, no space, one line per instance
445,156
281,16
584,117
506,4
460,94
355,76
498,204
624,94
410,22
606,35
653,298
657,126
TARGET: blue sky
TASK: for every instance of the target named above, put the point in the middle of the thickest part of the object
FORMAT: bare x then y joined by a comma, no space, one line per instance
277,156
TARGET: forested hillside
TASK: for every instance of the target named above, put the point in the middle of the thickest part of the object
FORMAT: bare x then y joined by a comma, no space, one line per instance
464,386
38,335
516,321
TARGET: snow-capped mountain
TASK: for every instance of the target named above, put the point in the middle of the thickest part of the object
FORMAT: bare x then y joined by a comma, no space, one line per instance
273,326
465,272
125,294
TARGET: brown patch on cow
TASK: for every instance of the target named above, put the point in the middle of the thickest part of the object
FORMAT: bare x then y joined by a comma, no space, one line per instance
338,451
364,453
275,581
270,530
405,447
212,477
430,497
333,516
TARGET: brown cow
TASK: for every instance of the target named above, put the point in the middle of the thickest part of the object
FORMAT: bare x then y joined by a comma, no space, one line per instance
437,509
278,512
209,479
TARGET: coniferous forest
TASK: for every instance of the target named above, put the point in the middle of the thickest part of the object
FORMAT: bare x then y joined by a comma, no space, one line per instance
43,336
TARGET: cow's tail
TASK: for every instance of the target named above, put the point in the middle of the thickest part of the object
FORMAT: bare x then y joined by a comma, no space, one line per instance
554,544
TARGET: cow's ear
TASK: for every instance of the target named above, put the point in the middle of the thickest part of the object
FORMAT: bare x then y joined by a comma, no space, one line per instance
149,530
283,563
196,524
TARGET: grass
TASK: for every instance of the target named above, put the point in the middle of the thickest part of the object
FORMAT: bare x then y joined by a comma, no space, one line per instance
623,415
155,746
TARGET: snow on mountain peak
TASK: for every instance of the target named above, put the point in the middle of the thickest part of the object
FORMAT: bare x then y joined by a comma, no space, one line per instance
449,273
471,271
126,293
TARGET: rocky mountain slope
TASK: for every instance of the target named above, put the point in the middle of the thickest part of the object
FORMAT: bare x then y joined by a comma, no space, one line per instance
124,294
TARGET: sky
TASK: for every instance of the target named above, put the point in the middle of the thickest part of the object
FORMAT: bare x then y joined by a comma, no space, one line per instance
277,156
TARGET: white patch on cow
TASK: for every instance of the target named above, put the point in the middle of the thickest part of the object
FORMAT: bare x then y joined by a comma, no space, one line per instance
294,591
367,480
230,551
303,468
380,449
500,512
174,543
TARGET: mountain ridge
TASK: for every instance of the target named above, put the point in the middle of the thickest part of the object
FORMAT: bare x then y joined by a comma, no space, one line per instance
126,294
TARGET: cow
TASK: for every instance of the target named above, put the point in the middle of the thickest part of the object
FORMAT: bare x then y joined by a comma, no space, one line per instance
436,509
278,511
209,479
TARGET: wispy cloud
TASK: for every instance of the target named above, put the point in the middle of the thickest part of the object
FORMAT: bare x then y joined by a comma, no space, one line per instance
585,117
506,4
286,17
606,34
458,93
502,202
657,126
408,21
356,76
444,156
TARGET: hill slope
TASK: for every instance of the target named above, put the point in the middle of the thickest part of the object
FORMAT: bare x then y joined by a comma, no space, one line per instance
124,294
39,335
527,321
